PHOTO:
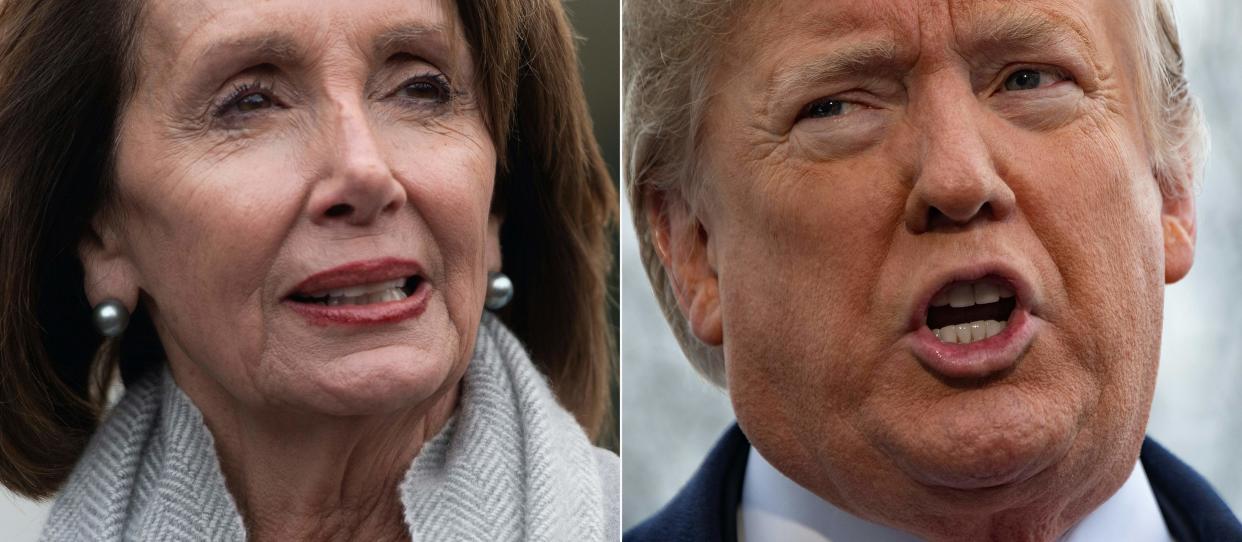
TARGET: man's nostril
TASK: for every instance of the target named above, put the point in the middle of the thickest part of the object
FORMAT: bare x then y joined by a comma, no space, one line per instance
338,210
938,220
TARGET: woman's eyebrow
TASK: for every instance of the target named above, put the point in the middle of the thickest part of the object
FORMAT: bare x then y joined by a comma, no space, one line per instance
270,45
430,37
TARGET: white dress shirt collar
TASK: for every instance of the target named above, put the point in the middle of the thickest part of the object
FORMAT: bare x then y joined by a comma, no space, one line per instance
774,507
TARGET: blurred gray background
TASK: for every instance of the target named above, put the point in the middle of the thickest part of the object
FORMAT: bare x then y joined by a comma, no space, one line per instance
597,24
672,417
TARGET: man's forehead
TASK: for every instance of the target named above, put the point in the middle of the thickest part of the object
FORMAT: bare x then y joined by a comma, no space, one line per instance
789,44
906,21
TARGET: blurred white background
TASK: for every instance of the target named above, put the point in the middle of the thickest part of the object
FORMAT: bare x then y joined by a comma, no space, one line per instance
671,417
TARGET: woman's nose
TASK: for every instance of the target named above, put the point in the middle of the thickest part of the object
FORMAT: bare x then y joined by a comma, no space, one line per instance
956,182
357,186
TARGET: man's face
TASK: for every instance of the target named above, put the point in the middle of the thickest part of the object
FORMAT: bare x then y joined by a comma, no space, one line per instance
939,252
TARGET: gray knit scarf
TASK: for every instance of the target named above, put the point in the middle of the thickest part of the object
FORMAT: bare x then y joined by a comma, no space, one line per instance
512,464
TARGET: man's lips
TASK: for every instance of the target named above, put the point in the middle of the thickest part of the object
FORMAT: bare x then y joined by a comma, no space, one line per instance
978,356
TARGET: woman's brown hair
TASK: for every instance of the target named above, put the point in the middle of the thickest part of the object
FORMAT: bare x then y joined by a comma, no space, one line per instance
65,68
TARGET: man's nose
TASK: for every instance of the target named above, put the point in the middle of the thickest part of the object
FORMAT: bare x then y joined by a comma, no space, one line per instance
955,181
357,185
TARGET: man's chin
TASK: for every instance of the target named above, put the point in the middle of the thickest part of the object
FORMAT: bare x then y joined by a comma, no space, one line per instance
978,443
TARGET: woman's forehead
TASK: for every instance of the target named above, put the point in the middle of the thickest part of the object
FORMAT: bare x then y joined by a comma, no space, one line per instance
180,33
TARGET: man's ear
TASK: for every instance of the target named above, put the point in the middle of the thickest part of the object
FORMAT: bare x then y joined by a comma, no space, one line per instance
107,270
682,244
493,258
1178,221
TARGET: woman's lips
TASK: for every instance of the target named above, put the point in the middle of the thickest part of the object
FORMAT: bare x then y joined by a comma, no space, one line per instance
372,313
343,295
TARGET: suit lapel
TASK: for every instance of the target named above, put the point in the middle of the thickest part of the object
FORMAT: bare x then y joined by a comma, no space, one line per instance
1191,508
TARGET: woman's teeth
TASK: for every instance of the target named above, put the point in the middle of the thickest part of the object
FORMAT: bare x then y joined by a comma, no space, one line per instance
391,294
365,294
969,333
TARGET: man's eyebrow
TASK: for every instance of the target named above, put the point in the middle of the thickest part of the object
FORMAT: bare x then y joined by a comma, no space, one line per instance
872,58
1023,28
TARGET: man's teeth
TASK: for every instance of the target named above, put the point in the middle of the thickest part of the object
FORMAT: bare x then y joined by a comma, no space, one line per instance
379,292
966,295
969,333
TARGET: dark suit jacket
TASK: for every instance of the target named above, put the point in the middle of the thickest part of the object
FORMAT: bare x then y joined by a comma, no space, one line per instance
706,508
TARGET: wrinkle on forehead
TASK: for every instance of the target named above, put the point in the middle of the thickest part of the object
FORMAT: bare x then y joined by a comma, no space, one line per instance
905,26
980,24
174,29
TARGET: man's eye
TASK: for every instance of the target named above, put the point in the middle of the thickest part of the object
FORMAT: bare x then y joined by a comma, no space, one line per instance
824,109
1030,79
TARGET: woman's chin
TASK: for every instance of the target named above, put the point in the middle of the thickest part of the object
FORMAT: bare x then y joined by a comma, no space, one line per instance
374,382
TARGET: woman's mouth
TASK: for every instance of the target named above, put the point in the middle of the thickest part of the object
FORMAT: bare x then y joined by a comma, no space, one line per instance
367,292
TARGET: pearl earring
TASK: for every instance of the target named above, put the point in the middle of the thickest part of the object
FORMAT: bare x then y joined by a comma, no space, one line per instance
499,291
111,317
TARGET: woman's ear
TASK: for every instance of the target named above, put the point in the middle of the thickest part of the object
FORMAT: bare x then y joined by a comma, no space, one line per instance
685,251
107,270
493,259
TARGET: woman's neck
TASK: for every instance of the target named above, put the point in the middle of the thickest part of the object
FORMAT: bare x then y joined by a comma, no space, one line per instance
308,477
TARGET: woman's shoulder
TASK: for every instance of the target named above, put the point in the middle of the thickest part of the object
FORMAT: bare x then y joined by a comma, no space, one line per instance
608,465
95,498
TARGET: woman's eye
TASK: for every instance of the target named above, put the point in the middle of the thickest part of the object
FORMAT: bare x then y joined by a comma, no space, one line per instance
825,108
1030,79
426,88
246,98
253,102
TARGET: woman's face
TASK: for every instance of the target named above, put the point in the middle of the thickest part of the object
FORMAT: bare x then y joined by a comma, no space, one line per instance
276,156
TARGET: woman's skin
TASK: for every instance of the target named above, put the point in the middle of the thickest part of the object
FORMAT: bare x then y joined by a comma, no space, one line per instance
856,157
266,142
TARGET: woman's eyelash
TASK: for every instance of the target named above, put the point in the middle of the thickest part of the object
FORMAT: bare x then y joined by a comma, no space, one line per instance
240,92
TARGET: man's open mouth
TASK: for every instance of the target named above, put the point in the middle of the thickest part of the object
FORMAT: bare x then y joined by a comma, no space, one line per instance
968,311
363,294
